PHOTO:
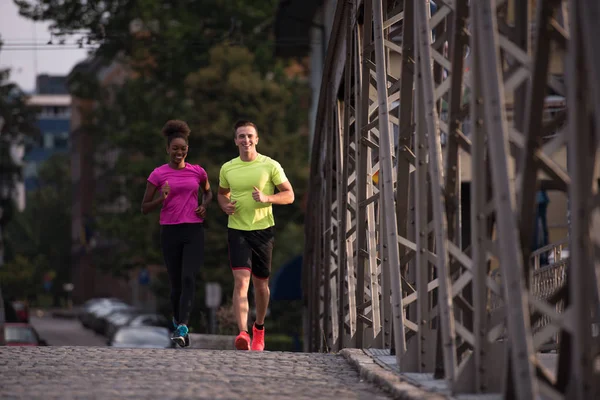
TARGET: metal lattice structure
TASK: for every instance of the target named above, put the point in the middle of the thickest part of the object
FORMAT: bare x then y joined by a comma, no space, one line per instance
392,261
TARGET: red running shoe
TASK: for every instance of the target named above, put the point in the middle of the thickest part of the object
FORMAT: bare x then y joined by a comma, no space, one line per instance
258,339
242,341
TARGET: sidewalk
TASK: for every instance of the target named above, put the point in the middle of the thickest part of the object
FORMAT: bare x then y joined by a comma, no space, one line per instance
379,367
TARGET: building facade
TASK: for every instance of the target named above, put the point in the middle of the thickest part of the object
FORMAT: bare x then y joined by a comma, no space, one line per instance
53,105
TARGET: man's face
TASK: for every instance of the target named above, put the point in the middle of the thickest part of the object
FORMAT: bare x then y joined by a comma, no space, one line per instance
246,139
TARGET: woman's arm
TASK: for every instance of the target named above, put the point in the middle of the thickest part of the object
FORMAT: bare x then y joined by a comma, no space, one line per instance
148,204
206,199
207,194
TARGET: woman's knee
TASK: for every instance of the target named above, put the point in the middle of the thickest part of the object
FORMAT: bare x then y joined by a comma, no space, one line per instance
188,283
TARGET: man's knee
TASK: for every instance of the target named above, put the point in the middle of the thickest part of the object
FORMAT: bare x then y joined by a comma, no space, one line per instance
241,279
260,285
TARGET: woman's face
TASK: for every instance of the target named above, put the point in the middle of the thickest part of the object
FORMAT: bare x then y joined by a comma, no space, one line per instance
177,149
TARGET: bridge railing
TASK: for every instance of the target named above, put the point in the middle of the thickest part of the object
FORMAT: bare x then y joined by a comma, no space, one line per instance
397,256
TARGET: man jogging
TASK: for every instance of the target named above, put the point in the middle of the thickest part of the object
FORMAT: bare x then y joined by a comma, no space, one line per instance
246,193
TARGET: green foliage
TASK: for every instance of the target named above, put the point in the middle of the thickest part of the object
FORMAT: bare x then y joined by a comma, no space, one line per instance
208,62
18,277
17,125
229,87
172,36
39,238
19,119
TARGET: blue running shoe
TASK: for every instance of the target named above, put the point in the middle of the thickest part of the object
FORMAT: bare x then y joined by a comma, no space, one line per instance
180,336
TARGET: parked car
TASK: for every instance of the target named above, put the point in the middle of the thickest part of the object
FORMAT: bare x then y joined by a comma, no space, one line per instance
150,319
118,319
90,311
22,334
142,337
99,316
22,310
124,318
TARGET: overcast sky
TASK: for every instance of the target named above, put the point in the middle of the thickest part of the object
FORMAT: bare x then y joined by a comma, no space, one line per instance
25,50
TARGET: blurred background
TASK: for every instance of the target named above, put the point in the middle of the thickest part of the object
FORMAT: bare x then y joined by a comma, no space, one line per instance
85,88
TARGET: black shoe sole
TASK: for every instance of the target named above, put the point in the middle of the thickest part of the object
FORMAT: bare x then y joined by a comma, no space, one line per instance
179,341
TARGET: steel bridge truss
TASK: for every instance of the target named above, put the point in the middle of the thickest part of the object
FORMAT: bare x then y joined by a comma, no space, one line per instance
387,261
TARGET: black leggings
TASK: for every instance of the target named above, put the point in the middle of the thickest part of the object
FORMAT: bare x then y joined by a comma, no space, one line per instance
183,252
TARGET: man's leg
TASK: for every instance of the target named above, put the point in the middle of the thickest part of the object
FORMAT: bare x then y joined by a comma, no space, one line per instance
240,297
241,263
262,295
262,246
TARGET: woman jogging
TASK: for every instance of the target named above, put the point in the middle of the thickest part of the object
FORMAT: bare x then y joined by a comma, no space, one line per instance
181,218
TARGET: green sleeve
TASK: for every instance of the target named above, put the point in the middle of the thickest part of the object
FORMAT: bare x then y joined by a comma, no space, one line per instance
278,175
223,179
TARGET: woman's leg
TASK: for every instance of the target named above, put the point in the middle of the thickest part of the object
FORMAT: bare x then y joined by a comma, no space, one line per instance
172,247
193,258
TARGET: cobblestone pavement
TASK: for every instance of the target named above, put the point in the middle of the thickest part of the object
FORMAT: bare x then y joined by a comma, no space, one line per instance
111,373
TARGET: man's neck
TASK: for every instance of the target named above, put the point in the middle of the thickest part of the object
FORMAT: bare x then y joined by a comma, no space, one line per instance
247,157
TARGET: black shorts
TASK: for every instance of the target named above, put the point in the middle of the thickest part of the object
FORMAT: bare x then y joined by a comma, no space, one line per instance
252,250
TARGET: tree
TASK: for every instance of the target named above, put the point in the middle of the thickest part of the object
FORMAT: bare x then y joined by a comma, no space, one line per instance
39,238
172,36
208,62
229,87
17,122
272,102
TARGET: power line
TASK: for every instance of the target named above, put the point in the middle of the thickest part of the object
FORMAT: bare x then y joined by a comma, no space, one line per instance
47,48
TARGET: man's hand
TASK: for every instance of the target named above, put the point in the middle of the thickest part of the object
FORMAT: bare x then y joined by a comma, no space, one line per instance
259,196
229,208
200,211
166,189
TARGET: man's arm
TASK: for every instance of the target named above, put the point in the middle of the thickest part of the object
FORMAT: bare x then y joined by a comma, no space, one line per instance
284,196
224,200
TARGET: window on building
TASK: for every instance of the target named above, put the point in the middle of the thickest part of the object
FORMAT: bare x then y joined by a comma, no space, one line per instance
30,170
61,141
48,141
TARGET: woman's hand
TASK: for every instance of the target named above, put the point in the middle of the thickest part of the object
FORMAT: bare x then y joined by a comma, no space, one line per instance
166,189
200,211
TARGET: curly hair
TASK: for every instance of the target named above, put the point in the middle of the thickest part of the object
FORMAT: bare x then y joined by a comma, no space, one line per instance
176,129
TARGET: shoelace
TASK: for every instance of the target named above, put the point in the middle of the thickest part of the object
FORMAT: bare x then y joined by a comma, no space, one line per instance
182,330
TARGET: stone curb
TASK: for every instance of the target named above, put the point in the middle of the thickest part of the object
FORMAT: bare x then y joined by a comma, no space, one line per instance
211,342
391,382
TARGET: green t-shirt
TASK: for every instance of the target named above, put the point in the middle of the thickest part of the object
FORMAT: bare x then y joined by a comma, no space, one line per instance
240,177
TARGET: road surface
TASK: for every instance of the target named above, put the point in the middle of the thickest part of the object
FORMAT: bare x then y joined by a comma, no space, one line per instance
65,369
65,332
113,373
